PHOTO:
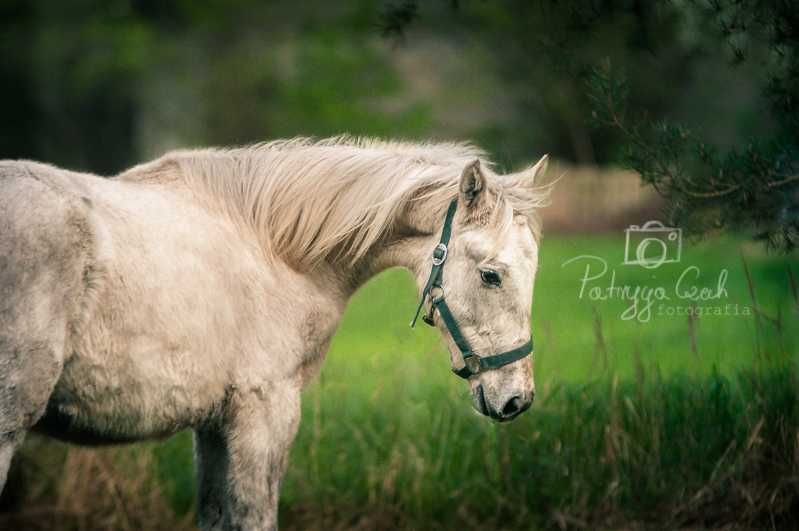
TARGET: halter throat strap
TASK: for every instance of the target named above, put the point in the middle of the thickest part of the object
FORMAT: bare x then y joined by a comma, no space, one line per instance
472,363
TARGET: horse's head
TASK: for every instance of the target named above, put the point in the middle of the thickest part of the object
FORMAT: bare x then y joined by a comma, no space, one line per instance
479,289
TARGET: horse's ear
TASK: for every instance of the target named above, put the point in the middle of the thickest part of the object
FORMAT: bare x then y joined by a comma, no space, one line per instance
525,188
534,173
527,181
473,183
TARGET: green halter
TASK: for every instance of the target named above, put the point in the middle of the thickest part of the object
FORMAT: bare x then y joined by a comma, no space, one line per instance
472,363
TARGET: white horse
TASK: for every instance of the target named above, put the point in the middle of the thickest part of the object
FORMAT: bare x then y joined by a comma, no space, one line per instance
201,290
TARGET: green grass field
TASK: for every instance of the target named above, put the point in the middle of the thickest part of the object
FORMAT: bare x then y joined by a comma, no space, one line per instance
671,419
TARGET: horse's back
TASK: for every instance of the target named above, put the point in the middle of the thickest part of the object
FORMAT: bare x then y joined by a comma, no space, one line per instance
45,248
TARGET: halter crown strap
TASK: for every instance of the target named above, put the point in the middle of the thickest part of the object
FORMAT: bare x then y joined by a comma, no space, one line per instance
473,363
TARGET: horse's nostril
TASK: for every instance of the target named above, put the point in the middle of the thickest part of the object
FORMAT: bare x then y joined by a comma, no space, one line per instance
482,406
512,407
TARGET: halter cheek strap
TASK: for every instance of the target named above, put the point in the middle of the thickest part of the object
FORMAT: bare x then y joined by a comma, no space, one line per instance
472,363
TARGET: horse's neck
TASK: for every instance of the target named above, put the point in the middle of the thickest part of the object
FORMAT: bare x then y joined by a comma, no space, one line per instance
408,246
407,252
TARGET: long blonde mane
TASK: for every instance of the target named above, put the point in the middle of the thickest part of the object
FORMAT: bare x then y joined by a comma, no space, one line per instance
331,199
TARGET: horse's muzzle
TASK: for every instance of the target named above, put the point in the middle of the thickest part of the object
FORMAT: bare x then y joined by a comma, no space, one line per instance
512,408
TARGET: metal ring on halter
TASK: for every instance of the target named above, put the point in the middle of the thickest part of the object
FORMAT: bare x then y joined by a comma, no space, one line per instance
435,298
440,258
473,363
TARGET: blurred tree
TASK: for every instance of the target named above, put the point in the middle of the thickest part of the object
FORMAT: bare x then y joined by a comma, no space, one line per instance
20,114
70,75
629,65
96,85
753,185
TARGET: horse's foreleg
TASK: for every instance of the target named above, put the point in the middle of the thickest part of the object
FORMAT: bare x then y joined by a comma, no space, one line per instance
264,423
211,460
260,426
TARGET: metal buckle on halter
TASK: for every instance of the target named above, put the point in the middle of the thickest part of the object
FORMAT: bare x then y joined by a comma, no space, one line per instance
439,254
428,317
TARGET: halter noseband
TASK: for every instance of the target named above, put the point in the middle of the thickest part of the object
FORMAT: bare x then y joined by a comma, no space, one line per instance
472,363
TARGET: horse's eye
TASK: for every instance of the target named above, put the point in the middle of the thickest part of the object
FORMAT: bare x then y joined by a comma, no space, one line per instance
490,277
